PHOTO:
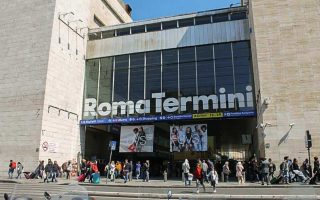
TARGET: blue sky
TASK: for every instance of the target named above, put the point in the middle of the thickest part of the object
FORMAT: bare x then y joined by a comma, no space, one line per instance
146,9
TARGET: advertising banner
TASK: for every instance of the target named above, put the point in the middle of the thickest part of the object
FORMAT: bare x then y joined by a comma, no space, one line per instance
193,137
136,138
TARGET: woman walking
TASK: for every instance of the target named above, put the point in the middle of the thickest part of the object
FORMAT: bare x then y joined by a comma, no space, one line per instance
213,178
239,173
199,178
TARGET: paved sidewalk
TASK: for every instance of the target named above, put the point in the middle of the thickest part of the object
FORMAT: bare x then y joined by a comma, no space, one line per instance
154,183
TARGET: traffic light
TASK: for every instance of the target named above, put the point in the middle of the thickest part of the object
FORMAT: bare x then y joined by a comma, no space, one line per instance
308,139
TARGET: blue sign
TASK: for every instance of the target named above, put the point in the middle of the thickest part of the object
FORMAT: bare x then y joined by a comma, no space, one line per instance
159,118
113,145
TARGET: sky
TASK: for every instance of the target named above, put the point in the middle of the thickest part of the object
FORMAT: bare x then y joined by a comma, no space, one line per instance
148,9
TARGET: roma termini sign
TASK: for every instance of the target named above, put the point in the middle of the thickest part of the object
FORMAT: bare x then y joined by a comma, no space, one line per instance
170,104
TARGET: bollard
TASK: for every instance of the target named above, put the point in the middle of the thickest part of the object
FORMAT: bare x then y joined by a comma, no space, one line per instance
183,178
165,176
222,177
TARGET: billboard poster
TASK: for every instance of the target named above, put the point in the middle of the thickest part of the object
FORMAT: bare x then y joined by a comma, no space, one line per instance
136,138
192,137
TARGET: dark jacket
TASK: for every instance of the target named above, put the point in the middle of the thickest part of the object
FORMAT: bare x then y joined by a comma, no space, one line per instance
49,168
264,167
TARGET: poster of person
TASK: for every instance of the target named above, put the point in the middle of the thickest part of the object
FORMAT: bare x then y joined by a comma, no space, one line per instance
193,137
136,138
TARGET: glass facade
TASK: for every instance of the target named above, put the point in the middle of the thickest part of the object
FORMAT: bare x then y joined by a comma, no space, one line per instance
216,69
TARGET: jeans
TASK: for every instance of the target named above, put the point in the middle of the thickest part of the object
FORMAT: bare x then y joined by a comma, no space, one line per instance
146,176
10,172
137,174
126,175
265,178
285,174
186,179
226,177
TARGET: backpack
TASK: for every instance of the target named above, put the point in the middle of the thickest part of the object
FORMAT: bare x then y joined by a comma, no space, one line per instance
94,168
13,165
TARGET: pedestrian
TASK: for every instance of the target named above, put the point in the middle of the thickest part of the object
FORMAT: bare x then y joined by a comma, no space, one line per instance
146,169
284,167
12,166
138,170
306,168
199,178
118,169
297,172
213,178
205,170
186,171
218,167
264,171
69,169
272,169
239,172
48,171
316,167
226,171
83,167
19,170
131,170
55,171
126,170
112,170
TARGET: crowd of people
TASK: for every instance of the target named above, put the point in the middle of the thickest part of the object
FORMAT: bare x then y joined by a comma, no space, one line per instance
263,171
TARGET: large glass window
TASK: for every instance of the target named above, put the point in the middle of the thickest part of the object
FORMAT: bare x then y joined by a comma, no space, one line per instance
153,76
91,83
106,75
242,66
121,78
170,73
136,77
205,70
187,72
224,68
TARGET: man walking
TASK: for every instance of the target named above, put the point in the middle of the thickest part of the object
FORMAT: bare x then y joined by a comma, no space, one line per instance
12,166
186,170
285,170
205,171
272,169
48,170
19,170
126,170
138,169
146,167
264,167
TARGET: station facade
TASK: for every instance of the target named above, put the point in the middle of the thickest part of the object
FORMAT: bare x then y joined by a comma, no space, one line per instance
170,76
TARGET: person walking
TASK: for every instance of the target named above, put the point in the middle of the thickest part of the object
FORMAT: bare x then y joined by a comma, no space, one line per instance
297,172
199,178
226,171
186,171
12,166
307,168
69,169
284,167
19,170
126,170
272,169
48,171
239,172
55,171
147,172
264,171
213,178
112,170
205,170
138,170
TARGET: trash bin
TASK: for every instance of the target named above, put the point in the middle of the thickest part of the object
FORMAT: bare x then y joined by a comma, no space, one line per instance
165,176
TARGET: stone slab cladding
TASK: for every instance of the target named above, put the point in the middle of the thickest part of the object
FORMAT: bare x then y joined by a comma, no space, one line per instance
41,79
286,55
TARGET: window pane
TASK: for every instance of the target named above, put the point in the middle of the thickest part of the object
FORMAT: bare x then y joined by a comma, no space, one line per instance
153,27
153,76
187,72
220,17
238,15
136,77
186,22
108,34
203,20
205,52
94,36
91,80
124,31
121,78
138,29
223,66
169,25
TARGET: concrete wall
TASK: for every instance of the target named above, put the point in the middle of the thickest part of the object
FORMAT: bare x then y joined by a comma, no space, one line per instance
172,38
25,41
286,37
38,72
65,76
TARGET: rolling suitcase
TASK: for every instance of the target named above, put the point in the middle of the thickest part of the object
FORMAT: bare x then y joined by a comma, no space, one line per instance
82,177
96,178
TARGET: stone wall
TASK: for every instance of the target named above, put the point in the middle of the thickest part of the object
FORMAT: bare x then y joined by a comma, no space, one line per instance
285,35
